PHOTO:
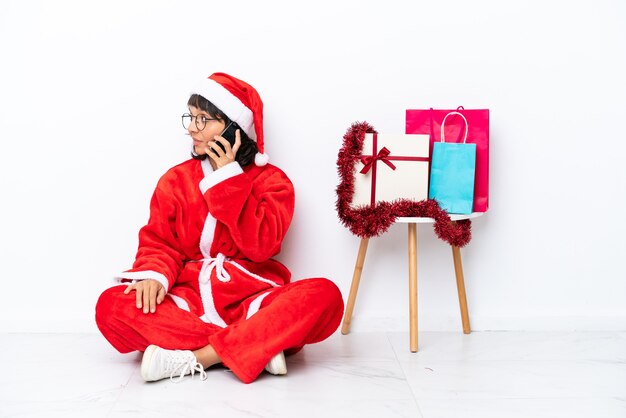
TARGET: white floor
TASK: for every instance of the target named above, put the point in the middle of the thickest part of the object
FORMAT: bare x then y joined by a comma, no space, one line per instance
484,374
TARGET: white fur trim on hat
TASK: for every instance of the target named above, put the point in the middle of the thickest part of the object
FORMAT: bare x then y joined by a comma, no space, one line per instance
227,103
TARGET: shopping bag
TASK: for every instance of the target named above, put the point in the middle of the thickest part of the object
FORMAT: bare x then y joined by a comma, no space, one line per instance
428,121
452,172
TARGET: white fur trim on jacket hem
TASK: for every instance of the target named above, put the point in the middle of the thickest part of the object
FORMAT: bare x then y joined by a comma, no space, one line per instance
254,276
208,230
205,318
206,238
206,293
136,276
229,170
180,302
255,305
206,167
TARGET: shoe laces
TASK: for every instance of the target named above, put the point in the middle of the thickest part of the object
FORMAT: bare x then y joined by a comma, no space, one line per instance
180,365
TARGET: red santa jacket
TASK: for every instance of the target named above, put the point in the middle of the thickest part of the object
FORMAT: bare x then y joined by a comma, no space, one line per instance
211,236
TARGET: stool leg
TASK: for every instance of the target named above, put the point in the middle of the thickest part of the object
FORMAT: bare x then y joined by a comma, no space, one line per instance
413,285
460,284
356,278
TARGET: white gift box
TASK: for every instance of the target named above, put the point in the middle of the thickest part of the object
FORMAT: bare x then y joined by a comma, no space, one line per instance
392,167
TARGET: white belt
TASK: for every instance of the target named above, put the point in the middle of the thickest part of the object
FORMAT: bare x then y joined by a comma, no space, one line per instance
217,263
208,264
206,292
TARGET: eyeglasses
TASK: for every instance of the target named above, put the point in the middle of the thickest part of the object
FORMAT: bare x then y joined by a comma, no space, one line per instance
201,121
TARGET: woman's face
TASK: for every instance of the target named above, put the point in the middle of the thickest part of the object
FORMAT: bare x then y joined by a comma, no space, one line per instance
212,127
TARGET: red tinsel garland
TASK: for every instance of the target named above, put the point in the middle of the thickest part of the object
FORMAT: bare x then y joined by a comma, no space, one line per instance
368,221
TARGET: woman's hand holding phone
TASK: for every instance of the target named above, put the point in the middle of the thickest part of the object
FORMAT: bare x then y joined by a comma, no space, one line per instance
224,156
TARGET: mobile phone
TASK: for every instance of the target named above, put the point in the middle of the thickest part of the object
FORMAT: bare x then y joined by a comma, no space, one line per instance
229,135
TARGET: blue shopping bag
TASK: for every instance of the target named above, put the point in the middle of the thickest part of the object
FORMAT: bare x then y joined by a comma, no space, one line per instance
453,167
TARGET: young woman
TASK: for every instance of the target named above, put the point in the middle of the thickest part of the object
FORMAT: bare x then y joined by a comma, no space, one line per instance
203,288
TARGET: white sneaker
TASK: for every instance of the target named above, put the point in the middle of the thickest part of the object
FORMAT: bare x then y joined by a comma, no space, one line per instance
277,364
158,363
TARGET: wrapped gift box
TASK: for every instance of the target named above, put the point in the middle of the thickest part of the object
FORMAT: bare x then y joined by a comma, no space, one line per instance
392,167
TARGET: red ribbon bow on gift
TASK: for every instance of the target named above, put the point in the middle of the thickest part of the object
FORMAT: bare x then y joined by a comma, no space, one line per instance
369,160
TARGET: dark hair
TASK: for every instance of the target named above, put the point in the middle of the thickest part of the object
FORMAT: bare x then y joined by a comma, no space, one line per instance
247,150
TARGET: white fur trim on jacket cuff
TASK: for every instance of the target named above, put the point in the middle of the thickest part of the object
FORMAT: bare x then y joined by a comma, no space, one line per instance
136,276
211,179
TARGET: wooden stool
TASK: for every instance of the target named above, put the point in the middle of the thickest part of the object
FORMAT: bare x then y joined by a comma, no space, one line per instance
458,269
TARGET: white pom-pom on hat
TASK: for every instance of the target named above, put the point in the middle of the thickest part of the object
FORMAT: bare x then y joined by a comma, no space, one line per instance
261,159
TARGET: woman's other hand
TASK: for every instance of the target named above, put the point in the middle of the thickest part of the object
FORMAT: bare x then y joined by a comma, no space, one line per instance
219,156
149,294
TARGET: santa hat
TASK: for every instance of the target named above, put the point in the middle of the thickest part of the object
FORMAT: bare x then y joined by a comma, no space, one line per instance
240,102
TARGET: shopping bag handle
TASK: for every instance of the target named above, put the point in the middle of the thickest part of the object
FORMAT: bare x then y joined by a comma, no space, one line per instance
443,123
432,131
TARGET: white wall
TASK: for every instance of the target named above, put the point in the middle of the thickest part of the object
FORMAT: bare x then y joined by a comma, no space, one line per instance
90,99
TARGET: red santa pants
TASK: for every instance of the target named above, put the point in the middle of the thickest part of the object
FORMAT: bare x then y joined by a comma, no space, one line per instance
302,312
